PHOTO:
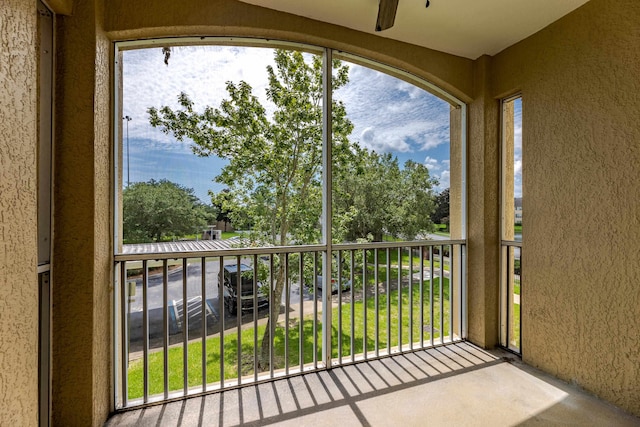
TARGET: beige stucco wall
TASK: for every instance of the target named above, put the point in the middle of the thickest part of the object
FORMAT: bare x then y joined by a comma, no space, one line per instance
580,80
18,215
82,277
483,201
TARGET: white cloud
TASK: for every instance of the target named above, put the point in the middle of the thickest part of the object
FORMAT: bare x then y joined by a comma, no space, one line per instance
432,141
432,164
439,170
389,115
517,167
368,135
405,118
199,71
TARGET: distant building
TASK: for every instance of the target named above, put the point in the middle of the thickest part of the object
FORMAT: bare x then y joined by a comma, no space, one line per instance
517,215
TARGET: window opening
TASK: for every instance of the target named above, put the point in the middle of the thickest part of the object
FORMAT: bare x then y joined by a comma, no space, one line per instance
512,224
224,150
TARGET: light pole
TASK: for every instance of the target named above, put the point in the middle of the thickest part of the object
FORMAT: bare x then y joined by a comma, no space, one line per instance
128,119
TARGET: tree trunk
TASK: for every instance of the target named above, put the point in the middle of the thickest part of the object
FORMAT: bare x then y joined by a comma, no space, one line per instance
274,313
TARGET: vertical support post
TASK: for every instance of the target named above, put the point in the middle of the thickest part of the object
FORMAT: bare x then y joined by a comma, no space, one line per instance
287,305
204,323
255,317
377,308
185,330
400,299
452,278
272,325
340,307
145,330
352,305
327,90
410,297
388,290
301,314
221,316
165,326
463,303
431,299
124,324
441,296
365,334
520,301
315,310
421,296
239,318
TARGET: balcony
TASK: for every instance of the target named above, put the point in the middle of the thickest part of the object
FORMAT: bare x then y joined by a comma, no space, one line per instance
454,384
396,335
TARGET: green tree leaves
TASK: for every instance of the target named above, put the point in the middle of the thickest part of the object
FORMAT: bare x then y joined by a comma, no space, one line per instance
156,209
274,175
274,170
441,213
374,196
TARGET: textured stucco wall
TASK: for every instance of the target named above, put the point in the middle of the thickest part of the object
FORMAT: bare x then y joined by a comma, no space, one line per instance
103,268
483,210
82,279
580,80
18,214
61,7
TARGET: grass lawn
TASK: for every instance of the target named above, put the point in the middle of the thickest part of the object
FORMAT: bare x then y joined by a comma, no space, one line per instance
516,326
396,312
393,258
247,340
442,230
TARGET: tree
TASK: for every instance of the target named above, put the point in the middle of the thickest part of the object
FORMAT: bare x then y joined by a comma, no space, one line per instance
375,196
362,194
416,201
155,209
222,204
274,169
441,213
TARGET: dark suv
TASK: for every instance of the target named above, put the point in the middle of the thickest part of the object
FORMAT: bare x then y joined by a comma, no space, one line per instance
230,281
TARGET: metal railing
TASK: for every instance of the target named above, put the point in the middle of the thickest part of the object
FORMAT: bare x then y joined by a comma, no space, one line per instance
511,296
194,322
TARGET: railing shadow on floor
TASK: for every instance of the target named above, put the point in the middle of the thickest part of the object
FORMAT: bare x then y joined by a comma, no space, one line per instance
298,396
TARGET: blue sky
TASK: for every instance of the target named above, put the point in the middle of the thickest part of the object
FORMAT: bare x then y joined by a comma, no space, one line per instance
389,115
517,147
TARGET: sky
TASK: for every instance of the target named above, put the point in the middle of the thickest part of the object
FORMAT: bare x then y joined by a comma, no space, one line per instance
517,147
389,115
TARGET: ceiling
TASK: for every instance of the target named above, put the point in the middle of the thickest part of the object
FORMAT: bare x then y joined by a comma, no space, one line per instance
468,28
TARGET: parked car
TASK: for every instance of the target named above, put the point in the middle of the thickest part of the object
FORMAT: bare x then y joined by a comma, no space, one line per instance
230,288
346,284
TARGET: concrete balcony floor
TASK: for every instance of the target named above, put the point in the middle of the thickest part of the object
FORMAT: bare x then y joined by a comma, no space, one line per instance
453,385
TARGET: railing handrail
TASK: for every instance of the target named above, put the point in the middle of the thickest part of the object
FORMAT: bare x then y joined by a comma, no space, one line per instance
190,310
515,243
266,250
